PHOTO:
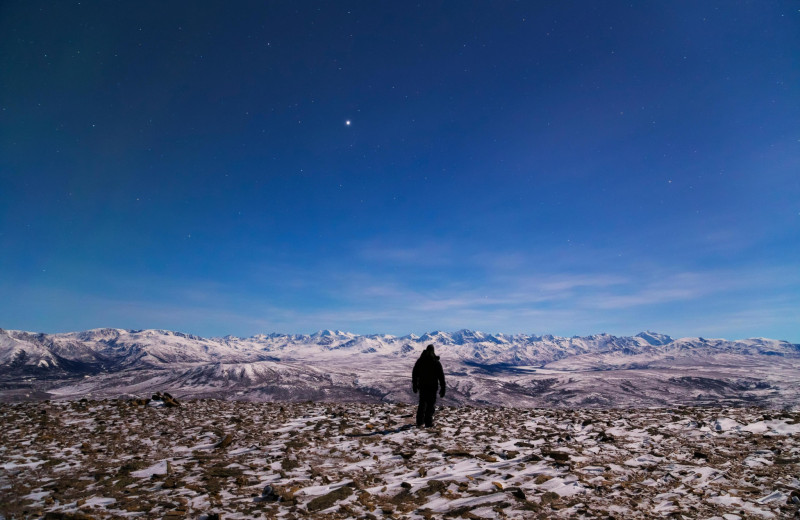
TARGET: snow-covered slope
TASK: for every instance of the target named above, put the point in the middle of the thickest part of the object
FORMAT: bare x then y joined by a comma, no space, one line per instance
601,369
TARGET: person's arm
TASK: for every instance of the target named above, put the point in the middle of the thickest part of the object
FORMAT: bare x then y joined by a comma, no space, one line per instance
415,377
441,380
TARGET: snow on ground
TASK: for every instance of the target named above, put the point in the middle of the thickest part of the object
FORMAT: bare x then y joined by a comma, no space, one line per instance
117,458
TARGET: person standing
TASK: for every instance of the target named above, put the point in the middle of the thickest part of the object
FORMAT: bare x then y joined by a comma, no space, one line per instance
427,377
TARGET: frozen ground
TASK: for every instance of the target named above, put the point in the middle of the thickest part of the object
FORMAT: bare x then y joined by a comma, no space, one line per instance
116,458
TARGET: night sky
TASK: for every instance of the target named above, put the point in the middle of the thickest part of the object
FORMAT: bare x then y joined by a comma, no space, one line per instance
387,167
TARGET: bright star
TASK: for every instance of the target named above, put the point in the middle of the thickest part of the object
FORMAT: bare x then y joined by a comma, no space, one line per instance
347,122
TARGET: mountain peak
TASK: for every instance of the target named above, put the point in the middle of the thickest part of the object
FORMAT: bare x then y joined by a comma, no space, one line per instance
654,338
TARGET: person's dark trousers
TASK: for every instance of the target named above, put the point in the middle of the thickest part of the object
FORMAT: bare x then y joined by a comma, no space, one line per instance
427,405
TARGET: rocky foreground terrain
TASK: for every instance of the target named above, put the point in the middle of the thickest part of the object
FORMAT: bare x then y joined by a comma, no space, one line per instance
224,459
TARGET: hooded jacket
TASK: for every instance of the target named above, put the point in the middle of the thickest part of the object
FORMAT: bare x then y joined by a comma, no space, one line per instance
428,374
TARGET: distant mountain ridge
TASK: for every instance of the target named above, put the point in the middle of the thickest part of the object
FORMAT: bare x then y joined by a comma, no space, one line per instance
513,369
118,349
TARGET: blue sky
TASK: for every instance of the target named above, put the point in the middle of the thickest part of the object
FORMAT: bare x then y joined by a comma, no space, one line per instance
565,167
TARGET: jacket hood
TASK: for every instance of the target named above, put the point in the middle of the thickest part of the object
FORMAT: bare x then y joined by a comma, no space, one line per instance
430,354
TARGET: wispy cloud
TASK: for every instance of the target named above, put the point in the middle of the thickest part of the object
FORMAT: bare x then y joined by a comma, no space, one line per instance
302,299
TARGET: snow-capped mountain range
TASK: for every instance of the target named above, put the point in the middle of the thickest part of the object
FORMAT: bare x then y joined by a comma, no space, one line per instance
527,370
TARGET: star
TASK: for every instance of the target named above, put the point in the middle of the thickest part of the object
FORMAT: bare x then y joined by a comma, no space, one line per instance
347,123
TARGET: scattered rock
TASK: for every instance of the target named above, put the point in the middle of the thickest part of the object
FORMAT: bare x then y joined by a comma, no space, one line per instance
132,465
434,486
329,499
86,453
225,442
605,437
224,471
699,455
516,492
407,454
171,483
463,512
457,453
288,464
549,497
556,455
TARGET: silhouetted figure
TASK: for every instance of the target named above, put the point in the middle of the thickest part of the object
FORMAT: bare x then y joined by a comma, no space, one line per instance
427,377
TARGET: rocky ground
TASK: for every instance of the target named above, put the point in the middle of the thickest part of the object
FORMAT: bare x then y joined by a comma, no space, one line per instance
224,459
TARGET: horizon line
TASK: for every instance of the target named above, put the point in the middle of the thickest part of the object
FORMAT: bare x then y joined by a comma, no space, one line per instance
431,332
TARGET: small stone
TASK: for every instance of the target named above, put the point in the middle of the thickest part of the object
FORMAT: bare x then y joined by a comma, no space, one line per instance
516,493
458,453
556,455
171,483
605,437
700,455
550,497
288,464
